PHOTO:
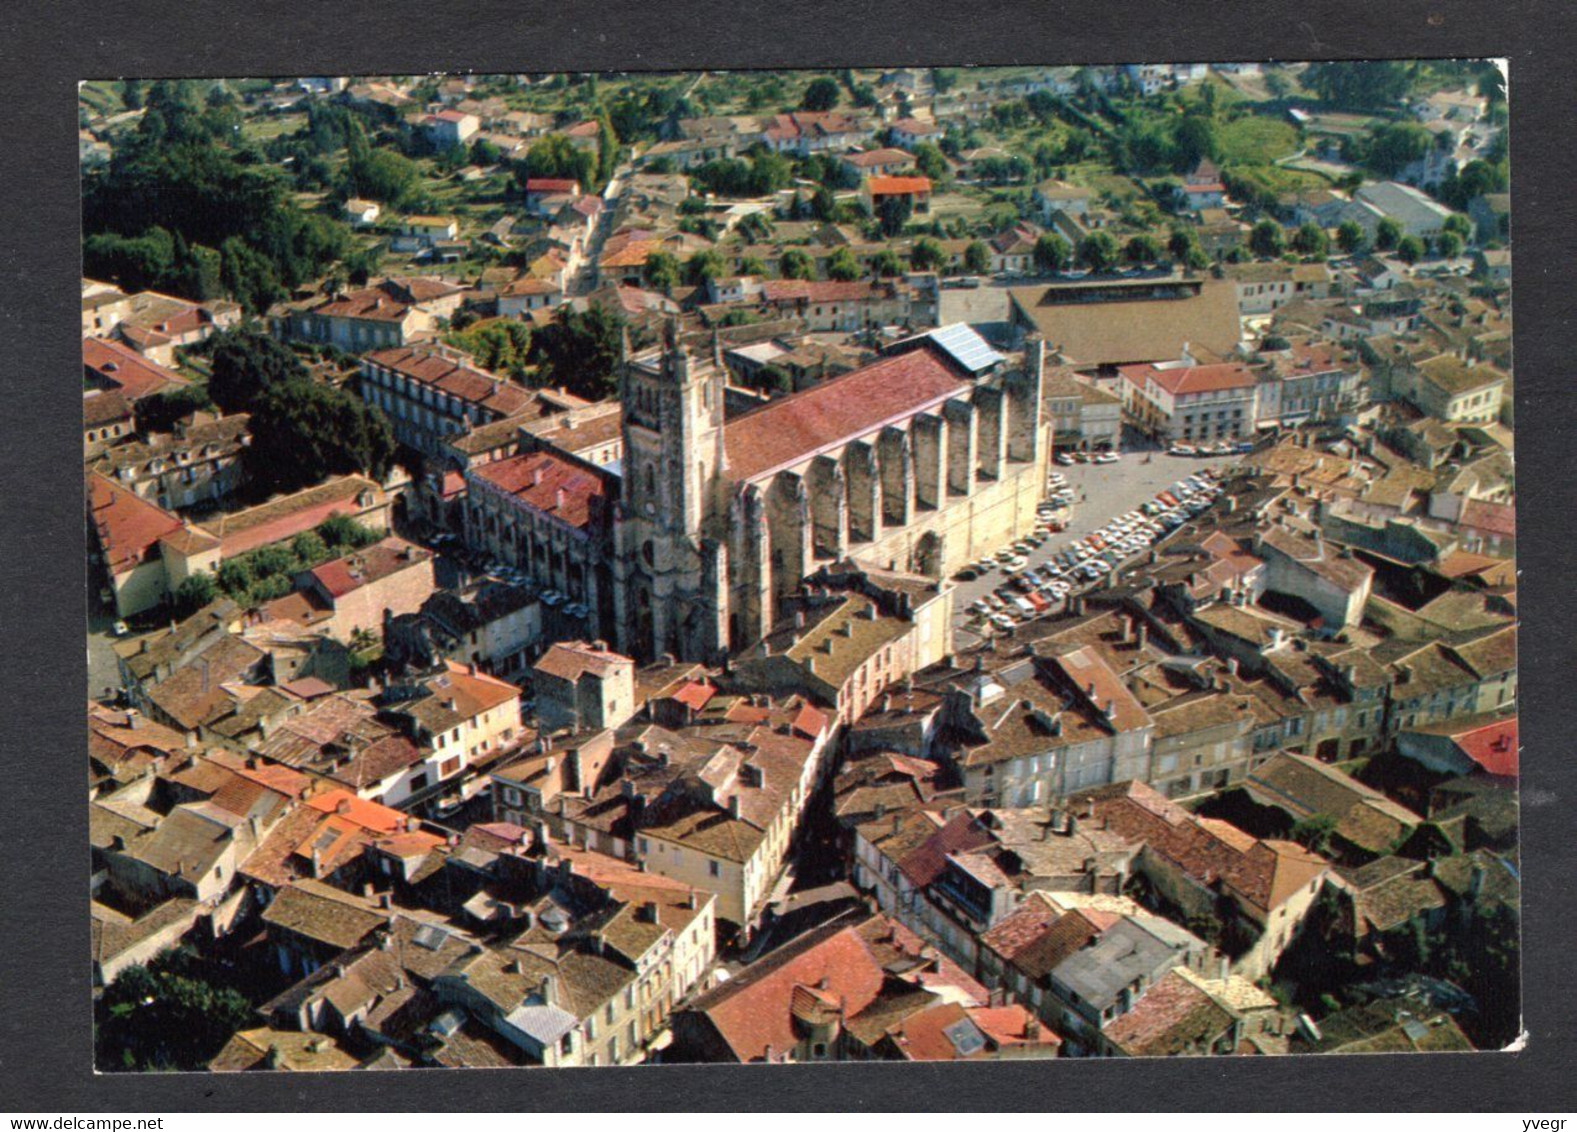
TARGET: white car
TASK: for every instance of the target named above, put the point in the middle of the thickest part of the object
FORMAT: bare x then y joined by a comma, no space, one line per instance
1107,458
1015,564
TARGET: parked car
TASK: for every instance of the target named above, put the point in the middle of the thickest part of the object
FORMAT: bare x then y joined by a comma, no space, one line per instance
1107,458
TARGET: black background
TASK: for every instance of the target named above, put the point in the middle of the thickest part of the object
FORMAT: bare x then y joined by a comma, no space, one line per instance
45,1016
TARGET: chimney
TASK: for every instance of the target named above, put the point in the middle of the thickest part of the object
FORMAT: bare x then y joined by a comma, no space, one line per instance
647,912
558,499
733,805
1141,633
1032,1029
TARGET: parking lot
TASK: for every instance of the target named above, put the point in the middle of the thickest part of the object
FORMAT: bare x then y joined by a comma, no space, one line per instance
1102,492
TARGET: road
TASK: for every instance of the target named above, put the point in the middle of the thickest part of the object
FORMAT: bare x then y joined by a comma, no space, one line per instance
103,667
585,276
1107,490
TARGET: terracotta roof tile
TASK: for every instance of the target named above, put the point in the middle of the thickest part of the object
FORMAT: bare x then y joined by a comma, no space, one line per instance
796,427
574,494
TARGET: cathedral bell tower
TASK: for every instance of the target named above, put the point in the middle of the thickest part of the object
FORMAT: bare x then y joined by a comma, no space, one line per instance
670,550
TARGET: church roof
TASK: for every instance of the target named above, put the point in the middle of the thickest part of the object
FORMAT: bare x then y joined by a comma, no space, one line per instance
794,428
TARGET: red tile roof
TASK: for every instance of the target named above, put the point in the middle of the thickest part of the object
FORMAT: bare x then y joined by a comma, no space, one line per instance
1260,874
369,303
358,811
1493,747
695,694
829,969
899,186
1182,380
818,291
370,564
887,156
570,660
128,527
473,692
1496,518
1084,669
456,379
570,492
926,862
831,413
551,185
127,371
102,407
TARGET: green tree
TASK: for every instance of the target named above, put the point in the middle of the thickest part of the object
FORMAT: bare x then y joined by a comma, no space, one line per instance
752,265
1448,244
1266,240
244,364
775,379
887,265
1309,240
1098,251
930,162
579,351
1394,146
894,213
1142,248
1052,253
341,533
302,431
556,156
1410,249
927,255
194,592
702,266
842,266
135,263
1314,832
1350,237
796,264
160,412
249,276
821,94
607,150
1193,140
309,549
662,272
977,257
823,205
1358,85
169,1015
1386,234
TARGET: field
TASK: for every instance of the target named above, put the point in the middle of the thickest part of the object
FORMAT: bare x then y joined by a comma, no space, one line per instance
263,128
1255,140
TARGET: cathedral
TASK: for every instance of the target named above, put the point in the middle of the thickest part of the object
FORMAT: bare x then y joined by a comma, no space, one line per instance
909,463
